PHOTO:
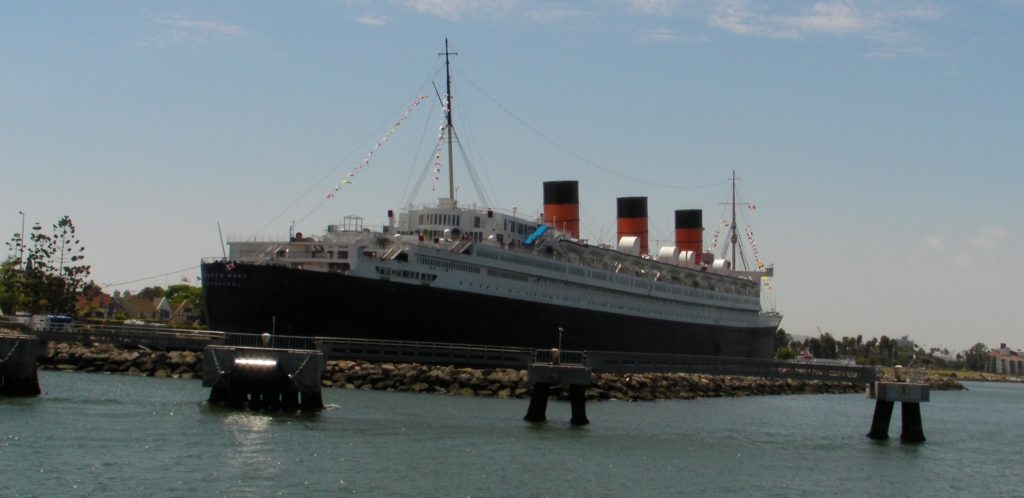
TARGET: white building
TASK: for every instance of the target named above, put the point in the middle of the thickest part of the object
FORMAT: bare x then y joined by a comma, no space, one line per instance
1005,361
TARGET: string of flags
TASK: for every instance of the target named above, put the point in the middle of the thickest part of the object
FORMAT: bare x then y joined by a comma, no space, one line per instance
387,136
435,172
714,236
753,246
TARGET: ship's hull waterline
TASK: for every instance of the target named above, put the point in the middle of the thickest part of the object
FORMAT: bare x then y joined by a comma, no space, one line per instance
257,298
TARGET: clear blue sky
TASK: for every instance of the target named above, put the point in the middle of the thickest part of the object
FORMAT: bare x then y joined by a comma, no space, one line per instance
880,140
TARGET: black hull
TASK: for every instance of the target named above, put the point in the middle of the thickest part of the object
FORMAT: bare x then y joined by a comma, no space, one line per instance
251,298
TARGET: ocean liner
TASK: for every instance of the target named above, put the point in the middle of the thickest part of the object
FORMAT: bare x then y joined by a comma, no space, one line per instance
452,273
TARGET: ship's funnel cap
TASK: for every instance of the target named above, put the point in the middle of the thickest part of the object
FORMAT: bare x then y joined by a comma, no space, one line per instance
632,219
690,232
562,206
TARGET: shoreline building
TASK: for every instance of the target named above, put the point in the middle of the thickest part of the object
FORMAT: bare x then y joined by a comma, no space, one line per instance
1005,361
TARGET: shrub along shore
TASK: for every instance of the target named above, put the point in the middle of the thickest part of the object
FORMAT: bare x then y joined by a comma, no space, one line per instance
414,377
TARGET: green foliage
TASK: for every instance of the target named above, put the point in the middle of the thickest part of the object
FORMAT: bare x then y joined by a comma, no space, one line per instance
151,293
11,296
888,351
976,356
54,273
781,339
784,353
177,294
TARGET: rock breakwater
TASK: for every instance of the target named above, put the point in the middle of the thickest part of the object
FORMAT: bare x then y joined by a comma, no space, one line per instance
112,359
513,383
489,382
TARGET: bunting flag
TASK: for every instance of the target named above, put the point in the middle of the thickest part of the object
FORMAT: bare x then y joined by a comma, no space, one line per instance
753,246
387,136
435,171
714,236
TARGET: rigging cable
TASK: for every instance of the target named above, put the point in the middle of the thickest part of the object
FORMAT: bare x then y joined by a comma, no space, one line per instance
578,156
183,270
472,174
336,167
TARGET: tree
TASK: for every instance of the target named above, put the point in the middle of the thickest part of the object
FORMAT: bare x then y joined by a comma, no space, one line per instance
177,294
183,292
976,357
151,293
784,353
781,338
54,272
11,297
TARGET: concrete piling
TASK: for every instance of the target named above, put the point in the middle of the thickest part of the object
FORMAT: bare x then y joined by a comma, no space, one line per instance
18,355
910,396
537,412
554,370
578,400
263,378
880,421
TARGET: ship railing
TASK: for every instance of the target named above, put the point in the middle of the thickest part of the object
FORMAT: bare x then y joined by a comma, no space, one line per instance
424,352
555,356
154,336
272,341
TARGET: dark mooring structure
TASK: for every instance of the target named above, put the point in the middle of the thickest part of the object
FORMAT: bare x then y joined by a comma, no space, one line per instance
558,368
267,376
910,395
18,354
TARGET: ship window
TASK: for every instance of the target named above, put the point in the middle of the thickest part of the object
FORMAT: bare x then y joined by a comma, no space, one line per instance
476,222
458,220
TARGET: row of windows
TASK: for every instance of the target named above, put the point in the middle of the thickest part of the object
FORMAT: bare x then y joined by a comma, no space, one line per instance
509,275
616,278
394,272
519,228
613,299
446,264
521,260
446,219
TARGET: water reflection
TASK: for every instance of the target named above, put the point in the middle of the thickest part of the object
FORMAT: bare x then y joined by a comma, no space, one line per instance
251,459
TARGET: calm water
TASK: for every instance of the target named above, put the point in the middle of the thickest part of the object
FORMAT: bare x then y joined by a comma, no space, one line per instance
100,435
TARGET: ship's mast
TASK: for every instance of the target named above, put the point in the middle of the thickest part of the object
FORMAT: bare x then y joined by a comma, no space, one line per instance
732,228
448,116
